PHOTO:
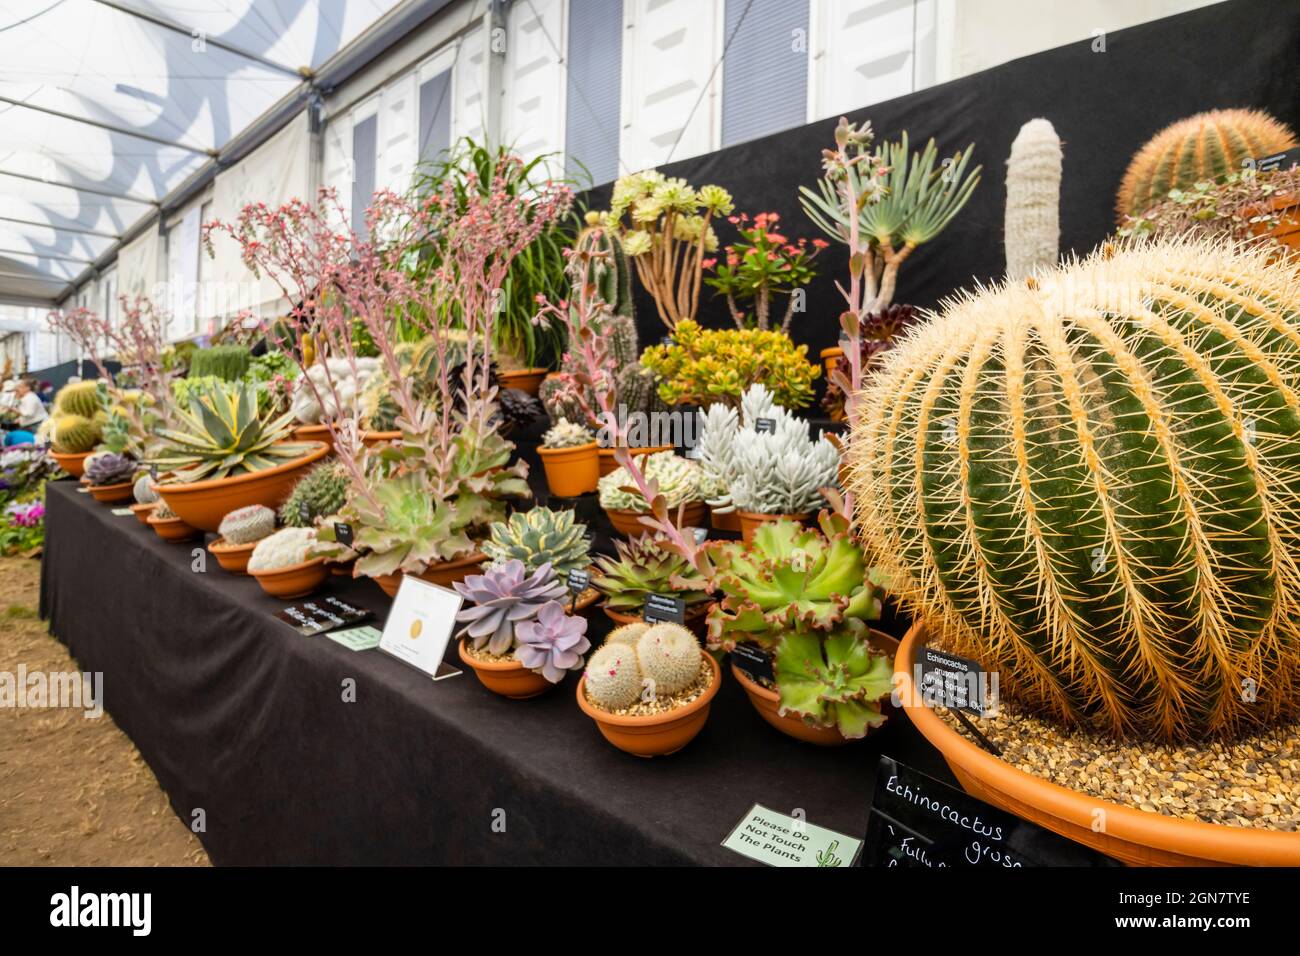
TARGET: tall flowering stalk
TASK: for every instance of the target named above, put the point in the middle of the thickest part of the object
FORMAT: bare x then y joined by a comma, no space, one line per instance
594,378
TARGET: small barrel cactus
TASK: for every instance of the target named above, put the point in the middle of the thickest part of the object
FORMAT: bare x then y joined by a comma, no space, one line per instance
1033,214
73,434
321,492
162,511
553,643
1093,487
669,655
567,434
678,478
627,633
613,676
111,469
78,398
284,549
1206,146
247,525
537,537
144,491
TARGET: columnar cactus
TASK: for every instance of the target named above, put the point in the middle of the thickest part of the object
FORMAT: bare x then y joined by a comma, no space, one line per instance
1205,146
1092,484
247,525
321,492
610,272
1033,215
144,491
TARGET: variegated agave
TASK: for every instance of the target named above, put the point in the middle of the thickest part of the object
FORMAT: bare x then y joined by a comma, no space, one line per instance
221,435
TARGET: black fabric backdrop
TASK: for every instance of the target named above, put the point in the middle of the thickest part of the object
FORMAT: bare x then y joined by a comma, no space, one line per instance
240,716
1241,53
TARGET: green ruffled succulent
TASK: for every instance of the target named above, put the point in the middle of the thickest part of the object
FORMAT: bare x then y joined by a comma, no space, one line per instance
645,565
538,537
677,477
805,597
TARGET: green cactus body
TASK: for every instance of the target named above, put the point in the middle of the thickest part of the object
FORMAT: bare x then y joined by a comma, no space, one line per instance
228,362
613,676
247,525
610,273
74,434
321,492
1092,486
78,398
669,655
537,537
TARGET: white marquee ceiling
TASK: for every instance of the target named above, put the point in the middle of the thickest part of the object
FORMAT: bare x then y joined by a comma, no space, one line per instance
108,105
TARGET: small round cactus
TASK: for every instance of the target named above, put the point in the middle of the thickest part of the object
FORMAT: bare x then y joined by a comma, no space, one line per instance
74,434
669,655
78,398
613,676
144,491
247,525
567,434
627,634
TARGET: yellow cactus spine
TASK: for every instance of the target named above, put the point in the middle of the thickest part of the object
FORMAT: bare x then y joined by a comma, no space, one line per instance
1093,485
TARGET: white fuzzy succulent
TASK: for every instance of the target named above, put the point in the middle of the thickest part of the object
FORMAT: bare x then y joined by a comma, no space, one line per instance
307,409
716,454
776,472
284,549
679,481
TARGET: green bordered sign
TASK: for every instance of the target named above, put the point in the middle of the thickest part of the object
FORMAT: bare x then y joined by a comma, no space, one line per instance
778,839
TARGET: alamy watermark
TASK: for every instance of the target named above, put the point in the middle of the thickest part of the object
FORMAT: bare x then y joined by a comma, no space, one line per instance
649,429
74,690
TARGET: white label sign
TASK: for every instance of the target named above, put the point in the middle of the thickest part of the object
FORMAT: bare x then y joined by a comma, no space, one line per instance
780,840
420,625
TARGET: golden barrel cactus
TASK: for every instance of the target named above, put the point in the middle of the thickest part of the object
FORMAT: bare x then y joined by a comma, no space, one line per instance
1206,146
1091,482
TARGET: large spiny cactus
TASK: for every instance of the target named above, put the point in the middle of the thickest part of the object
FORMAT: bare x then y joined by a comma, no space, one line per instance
1205,146
1092,483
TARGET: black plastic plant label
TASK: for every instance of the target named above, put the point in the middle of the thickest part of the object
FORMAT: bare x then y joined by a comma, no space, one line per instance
664,609
917,821
765,426
579,580
153,471
343,533
699,534
754,662
1282,160
946,680
304,513
322,614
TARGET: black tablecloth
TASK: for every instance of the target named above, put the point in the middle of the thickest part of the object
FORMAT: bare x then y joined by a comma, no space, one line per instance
243,719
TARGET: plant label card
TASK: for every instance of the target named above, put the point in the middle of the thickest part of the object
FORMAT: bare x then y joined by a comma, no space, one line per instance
946,680
753,661
122,512
765,426
664,609
1286,159
361,638
419,626
579,580
343,533
780,840
320,615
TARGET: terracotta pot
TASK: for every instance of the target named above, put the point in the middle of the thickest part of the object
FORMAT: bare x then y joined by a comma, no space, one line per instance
571,471
656,735
389,583
525,379
448,573
142,511
730,521
371,439
751,521
696,617
75,465
507,678
113,494
295,581
204,503
1287,210
319,433
626,522
174,530
232,557
1131,835
342,569
768,703
608,464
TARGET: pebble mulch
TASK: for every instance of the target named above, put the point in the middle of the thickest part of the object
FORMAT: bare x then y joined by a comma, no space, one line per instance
661,704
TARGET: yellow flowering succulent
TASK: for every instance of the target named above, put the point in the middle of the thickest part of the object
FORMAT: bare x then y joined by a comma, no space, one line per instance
703,366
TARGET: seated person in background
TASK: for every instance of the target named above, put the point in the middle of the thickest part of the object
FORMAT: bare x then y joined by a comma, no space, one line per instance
31,412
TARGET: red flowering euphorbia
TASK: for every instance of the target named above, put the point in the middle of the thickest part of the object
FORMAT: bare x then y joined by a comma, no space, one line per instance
762,264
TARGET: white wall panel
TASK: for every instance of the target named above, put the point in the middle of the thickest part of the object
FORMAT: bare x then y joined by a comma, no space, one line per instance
864,52
535,78
469,105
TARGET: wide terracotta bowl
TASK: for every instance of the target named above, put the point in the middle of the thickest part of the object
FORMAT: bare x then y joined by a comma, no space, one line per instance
608,464
1130,835
725,521
629,523
445,573
768,703
232,557
113,494
143,510
654,735
751,521
525,379
73,464
173,530
204,503
571,471
507,678
371,439
295,581
319,433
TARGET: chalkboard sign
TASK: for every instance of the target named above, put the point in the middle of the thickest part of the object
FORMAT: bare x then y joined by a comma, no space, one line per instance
322,614
754,662
946,680
578,580
664,609
304,513
765,426
343,533
917,821
1283,160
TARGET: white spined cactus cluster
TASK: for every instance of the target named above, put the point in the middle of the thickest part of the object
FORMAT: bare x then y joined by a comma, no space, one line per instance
771,472
284,549
661,659
348,385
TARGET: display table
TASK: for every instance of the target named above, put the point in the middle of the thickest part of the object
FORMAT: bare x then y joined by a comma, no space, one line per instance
244,719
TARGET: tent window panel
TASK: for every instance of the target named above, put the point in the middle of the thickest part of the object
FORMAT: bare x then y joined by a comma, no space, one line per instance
765,74
595,73
365,144
435,116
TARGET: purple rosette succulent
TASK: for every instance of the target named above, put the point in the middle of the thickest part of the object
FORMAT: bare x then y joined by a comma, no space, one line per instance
553,643
503,597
